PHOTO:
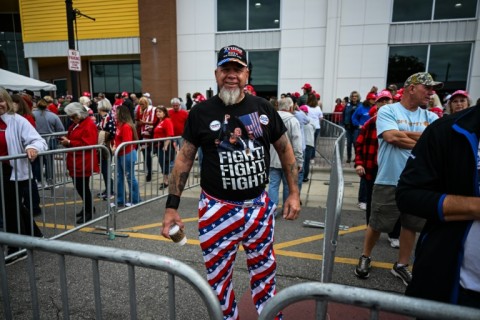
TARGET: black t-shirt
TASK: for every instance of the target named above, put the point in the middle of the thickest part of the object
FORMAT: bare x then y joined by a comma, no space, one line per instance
235,142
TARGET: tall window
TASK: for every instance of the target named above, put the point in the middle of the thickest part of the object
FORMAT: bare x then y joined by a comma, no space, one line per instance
115,77
448,63
264,72
239,15
12,57
414,10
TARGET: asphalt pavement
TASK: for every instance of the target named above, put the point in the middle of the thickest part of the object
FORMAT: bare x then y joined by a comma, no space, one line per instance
298,250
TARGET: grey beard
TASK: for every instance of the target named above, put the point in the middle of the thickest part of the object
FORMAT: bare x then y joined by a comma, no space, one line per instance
229,97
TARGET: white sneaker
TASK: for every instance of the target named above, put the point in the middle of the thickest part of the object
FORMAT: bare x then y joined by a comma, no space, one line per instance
362,205
394,243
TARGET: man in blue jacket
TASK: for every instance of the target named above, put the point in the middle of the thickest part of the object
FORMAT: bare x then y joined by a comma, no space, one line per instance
441,184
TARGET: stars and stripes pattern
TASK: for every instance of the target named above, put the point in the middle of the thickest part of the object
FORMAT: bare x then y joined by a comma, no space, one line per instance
222,228
251,122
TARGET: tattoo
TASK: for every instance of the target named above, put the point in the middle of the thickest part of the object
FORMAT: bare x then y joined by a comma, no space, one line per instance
283,142
293,168
183,164
188,150
177,182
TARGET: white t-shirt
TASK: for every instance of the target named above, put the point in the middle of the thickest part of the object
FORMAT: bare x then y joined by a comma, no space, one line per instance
470,269
315,114
392,159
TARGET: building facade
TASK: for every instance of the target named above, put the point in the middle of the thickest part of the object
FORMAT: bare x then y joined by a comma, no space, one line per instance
168,47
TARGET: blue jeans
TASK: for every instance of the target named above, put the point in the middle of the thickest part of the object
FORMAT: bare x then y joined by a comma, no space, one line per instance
126,168
300,182
350,142
275,178
308,155
362,190
104,163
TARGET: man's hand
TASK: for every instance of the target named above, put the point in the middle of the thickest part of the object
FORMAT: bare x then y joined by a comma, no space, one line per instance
170,218
291,207
360,170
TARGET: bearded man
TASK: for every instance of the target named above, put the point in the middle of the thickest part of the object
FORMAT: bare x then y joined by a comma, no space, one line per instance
234,207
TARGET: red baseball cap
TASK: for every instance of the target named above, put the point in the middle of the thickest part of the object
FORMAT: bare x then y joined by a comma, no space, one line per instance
460,93
307,86
383,94
86,94
296,94
124,94
371,95
304,108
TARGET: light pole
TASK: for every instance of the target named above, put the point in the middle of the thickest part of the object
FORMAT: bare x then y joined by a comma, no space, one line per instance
71,15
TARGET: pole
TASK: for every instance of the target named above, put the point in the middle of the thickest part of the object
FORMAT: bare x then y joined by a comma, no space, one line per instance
71,45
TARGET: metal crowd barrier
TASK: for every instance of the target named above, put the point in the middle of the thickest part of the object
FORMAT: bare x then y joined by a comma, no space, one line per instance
152,190
132,260
335,117
374,300
58,203
331,140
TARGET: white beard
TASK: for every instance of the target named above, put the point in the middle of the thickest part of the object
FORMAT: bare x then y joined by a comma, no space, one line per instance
229,97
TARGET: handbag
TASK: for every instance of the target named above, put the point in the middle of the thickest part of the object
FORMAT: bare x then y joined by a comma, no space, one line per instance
104,139
147,129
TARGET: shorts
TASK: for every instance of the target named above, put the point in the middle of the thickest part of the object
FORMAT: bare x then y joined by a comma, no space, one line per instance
385,212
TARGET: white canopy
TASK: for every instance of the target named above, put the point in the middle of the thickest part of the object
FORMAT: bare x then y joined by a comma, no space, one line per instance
17,82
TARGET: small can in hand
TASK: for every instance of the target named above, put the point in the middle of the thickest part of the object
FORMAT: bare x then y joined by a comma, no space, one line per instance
177,235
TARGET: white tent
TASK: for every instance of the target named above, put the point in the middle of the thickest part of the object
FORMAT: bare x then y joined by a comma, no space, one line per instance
17,82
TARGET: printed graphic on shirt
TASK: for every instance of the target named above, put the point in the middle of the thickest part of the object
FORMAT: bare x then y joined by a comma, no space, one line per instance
478,166
242,157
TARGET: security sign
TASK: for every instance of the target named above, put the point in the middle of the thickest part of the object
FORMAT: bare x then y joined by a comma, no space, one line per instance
74,60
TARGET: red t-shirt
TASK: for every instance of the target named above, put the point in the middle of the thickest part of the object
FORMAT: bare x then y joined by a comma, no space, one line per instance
3,139
124,133
30,119
179,118
163,129
53,108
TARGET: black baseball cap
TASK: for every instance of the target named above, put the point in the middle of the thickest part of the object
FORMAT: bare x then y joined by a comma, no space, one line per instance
232,53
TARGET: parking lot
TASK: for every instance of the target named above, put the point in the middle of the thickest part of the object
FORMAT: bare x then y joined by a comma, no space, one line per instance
298,249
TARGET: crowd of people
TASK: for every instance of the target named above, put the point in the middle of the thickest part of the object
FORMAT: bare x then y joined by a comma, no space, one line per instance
88,123
245,143
408,184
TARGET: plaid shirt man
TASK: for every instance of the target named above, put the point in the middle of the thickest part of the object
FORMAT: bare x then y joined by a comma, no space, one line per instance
366,148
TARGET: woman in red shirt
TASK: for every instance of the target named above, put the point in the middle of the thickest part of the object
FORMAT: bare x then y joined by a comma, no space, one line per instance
164,149
21,107
81,164
127,156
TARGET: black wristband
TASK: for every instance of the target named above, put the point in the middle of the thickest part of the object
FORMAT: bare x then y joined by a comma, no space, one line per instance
173,201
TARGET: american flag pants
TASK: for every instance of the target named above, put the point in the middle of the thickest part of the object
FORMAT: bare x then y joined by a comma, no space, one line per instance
222,226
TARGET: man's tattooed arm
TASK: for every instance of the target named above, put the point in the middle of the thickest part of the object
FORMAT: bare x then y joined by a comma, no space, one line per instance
183,165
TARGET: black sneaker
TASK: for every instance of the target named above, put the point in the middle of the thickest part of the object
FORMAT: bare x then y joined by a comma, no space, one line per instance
15,259
403,273
362,270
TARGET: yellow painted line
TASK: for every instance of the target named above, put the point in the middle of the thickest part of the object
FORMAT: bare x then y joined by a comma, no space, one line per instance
277,247
292,243
319,257
65,203
158,224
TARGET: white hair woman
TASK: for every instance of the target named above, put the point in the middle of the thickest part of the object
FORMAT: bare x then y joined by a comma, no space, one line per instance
81,164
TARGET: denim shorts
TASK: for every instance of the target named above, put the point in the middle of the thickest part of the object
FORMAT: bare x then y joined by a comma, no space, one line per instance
385,212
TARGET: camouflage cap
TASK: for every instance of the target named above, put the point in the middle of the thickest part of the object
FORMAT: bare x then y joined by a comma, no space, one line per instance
423,78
